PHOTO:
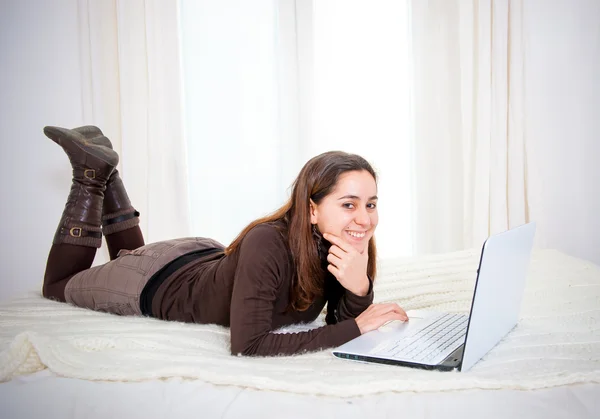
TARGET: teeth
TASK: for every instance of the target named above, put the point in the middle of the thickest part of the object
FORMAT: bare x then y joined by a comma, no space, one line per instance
357,235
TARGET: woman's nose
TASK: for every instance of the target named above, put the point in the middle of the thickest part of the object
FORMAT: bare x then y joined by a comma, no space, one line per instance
362,218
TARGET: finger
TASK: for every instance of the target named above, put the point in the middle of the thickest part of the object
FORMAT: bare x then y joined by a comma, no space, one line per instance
333,239
373,322
334,249
334,260
335,271
384,307
381,309
393,307
389,317
397,309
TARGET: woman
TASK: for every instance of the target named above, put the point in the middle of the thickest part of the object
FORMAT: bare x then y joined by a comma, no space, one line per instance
279,271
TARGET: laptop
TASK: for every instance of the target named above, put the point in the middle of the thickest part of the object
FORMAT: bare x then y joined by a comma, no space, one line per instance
447,341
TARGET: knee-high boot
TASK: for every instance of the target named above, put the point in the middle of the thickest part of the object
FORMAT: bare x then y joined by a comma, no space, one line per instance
120,219
80,224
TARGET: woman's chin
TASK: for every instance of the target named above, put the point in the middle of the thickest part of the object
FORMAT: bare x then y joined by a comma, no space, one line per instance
360,247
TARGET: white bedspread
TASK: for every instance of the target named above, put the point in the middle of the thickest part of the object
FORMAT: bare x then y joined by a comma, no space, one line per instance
557,341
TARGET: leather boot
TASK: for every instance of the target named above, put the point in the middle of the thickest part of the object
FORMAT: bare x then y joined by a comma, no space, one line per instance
117,212
92,166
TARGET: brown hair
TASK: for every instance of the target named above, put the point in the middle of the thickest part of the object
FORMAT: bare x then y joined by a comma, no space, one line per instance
316,180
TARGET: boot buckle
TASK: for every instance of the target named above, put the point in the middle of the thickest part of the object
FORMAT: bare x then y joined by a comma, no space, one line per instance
75,231
89,173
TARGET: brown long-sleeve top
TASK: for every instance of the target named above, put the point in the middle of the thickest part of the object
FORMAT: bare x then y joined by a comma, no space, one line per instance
249,291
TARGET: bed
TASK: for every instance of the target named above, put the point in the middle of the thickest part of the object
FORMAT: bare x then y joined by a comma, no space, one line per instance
61,361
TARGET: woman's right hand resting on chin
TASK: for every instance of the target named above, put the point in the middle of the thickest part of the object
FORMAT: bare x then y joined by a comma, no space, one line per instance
376,315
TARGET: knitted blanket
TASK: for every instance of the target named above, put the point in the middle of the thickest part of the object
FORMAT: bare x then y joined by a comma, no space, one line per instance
557,340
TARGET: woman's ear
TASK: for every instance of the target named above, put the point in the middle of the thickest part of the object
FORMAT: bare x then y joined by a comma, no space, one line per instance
313,212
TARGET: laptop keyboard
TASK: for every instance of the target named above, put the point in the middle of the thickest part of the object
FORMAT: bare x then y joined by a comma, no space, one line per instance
432,344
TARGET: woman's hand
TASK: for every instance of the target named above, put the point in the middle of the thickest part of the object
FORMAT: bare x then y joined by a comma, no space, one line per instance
348,265
376,315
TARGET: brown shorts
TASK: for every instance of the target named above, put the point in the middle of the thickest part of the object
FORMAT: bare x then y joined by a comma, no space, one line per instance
116,286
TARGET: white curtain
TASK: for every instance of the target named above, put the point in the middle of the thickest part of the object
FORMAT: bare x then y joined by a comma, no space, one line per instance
361,102
469,150
131,82
429,92
271,84
240,151
433,93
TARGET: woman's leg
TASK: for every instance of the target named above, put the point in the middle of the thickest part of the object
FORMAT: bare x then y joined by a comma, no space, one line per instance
119,219
129,239
64,261
79,232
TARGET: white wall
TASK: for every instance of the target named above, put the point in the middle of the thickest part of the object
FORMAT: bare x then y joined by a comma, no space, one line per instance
562,117
39,85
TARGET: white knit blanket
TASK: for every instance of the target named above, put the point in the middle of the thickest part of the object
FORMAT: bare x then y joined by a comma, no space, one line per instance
557,340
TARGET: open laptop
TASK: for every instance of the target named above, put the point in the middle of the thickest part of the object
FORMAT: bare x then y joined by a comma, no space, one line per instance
446,341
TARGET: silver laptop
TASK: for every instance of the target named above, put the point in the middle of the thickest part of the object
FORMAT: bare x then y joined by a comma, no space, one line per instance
446,341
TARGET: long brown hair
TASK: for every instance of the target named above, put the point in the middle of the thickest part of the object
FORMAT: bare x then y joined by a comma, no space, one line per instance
316,180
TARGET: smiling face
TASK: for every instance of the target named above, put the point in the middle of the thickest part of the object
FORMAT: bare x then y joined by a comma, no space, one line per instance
350,211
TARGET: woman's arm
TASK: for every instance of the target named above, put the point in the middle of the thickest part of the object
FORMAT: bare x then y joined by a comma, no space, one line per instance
347,305
262,268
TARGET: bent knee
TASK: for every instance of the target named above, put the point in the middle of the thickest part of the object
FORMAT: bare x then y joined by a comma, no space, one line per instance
55,292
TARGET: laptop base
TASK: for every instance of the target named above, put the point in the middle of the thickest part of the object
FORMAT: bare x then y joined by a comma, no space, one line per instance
451,363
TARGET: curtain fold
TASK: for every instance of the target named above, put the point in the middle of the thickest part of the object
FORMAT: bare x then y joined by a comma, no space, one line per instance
278,82
467,99
133,92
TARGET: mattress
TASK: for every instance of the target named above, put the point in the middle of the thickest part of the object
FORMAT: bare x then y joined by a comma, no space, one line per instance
46,395
82,361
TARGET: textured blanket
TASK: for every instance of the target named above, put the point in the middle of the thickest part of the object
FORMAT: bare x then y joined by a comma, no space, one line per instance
557,340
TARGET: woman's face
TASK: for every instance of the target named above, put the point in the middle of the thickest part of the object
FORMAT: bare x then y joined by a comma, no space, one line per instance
350,211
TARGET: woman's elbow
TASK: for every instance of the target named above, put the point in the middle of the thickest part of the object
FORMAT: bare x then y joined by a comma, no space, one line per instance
242,348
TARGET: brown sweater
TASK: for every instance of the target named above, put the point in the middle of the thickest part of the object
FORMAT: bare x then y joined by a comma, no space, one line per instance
249,291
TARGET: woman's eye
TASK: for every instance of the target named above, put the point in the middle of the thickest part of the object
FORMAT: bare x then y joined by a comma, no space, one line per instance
372,205
348,205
